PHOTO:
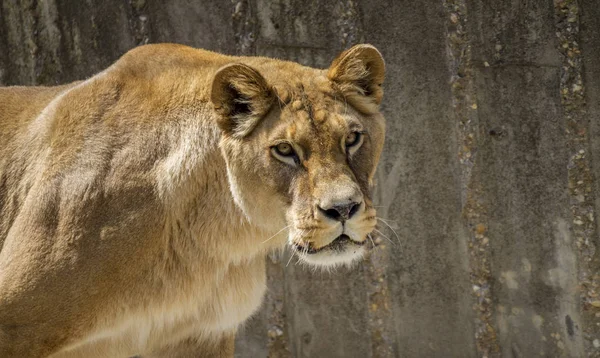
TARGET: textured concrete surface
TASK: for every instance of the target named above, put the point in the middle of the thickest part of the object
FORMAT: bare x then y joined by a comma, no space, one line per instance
419,184
488,188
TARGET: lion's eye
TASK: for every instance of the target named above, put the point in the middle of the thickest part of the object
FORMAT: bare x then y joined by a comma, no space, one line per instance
352,139
284,149
284,152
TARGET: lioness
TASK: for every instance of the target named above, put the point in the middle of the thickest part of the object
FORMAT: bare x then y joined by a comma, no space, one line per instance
136,207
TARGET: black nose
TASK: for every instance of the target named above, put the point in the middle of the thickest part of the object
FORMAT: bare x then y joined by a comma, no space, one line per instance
341,212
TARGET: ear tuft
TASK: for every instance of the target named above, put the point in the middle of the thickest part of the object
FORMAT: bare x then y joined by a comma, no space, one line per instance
241,97
359,73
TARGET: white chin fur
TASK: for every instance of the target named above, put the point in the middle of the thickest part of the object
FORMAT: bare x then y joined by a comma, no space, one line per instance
331,259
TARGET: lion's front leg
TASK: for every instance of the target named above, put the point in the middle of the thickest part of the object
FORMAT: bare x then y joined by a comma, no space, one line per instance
196,347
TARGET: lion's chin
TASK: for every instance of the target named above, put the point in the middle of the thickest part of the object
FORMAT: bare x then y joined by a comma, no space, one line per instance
341,252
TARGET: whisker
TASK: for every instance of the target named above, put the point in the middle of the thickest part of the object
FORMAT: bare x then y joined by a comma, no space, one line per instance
370,238
306,247
301,234
380,233
290,260
299,257
390,220
388,225
279,100
276,234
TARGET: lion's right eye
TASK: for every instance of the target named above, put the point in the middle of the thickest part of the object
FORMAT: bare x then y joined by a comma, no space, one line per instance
284,149
285,153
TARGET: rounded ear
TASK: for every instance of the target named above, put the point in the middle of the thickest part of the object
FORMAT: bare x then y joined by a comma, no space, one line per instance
241,97
359,73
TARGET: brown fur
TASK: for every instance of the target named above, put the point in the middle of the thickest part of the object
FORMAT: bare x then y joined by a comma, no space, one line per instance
136,207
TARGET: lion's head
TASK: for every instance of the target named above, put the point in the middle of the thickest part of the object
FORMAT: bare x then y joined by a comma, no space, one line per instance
302,146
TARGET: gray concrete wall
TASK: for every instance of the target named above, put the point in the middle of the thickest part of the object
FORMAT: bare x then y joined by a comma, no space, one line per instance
488,178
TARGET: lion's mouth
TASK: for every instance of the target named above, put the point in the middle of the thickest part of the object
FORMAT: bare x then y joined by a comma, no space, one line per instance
337,245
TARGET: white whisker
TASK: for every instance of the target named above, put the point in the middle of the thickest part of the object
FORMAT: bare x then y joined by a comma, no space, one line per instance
297,236
390,220
380,233
304,251
291,257
300,235
388,225
277,233
370,238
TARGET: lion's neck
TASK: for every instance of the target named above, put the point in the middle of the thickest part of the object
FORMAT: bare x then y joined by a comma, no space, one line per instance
202,221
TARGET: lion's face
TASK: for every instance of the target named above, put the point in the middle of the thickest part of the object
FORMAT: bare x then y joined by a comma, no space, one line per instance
302,151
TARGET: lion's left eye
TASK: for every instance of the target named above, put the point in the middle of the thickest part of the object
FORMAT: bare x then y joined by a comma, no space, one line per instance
352,139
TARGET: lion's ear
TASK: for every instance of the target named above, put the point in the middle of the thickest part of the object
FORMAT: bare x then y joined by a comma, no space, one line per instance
359,73
241,97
